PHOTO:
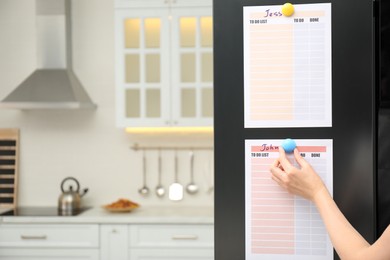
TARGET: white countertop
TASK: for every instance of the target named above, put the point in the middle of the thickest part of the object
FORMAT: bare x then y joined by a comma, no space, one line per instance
142,215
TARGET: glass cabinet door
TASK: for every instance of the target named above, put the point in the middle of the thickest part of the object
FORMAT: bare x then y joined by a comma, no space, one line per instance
192,61
143,70
164,66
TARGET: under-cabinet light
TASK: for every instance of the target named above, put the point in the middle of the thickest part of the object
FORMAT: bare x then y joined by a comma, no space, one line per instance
160,130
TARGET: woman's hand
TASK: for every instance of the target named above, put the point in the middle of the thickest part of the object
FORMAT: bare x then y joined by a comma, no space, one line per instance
303,182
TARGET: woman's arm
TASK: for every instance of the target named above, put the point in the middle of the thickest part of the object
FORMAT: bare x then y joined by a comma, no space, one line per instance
305,182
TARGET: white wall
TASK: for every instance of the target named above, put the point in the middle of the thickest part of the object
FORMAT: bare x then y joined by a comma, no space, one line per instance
80,143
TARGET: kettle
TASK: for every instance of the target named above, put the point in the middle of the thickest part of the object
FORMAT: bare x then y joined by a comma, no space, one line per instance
70,200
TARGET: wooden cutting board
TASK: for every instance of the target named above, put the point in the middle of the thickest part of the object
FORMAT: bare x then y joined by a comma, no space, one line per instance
9,161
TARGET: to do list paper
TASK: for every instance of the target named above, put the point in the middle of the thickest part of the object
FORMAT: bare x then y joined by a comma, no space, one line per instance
287,66
278,225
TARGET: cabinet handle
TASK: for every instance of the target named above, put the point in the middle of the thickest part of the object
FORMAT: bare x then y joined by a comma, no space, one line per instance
42,237
184,237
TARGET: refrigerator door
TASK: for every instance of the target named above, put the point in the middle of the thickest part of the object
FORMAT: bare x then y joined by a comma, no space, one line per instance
384,58
383,188
353,128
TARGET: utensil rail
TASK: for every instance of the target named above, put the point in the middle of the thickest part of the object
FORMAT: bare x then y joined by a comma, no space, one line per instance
137,147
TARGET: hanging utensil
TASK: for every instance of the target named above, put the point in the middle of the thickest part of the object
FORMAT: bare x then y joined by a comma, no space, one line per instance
192,188
144,191
160,191
176,189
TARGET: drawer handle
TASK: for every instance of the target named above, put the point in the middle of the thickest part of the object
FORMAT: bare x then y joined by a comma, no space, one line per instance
43,237
184,237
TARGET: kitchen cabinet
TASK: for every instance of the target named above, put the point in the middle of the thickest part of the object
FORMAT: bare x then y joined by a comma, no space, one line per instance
107,241
159,242
53,241
148,233
114,242
52,254
172,254
164,63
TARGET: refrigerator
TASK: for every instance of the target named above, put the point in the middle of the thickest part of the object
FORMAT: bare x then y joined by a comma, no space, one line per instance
358,127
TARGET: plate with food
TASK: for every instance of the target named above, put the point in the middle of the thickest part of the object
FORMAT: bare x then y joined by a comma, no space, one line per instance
121,205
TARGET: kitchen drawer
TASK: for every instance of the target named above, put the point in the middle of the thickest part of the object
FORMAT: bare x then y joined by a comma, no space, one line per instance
64,235
49,254
152,236
172,254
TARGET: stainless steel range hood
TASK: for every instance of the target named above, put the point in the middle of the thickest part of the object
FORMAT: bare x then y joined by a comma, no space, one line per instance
53,85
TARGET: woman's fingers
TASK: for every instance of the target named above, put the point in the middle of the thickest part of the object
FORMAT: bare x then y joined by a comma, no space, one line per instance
300,160
287,166
276,163
277,180
276,171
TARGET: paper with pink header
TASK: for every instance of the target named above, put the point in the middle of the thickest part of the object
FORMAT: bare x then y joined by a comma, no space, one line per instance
278,225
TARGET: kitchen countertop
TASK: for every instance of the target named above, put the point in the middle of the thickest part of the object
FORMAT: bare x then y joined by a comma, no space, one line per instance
142,215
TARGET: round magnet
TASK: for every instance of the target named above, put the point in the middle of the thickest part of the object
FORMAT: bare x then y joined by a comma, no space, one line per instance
287,9
289,145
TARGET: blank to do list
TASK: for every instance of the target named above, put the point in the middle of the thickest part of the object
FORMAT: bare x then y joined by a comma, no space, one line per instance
287,66
279,225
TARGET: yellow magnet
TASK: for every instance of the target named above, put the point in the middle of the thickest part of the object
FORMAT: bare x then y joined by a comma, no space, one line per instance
287,9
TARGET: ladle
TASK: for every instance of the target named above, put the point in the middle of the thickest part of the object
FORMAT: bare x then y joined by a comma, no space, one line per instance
160,191
176,189
192,188
144,190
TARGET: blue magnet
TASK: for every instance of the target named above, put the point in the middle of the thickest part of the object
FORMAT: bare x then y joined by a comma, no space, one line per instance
289,145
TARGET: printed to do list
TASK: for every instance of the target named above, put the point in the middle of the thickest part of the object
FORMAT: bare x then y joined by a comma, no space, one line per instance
287,66
279,225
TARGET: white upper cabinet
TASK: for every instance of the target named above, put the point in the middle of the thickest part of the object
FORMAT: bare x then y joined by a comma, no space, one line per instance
164,63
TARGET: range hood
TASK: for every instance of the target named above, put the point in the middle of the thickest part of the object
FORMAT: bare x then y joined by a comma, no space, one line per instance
53,85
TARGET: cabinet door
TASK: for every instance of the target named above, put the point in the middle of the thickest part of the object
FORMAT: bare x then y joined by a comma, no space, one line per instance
171,236
172,254
114,242
192,63
52,254
171,242
142,67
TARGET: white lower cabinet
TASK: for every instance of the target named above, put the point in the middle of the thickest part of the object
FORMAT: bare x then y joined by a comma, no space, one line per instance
114,242
49,241
171,242
172,254
52,254
106,241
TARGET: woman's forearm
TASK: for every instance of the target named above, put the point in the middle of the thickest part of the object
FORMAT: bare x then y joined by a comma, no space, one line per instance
348,243
305,182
